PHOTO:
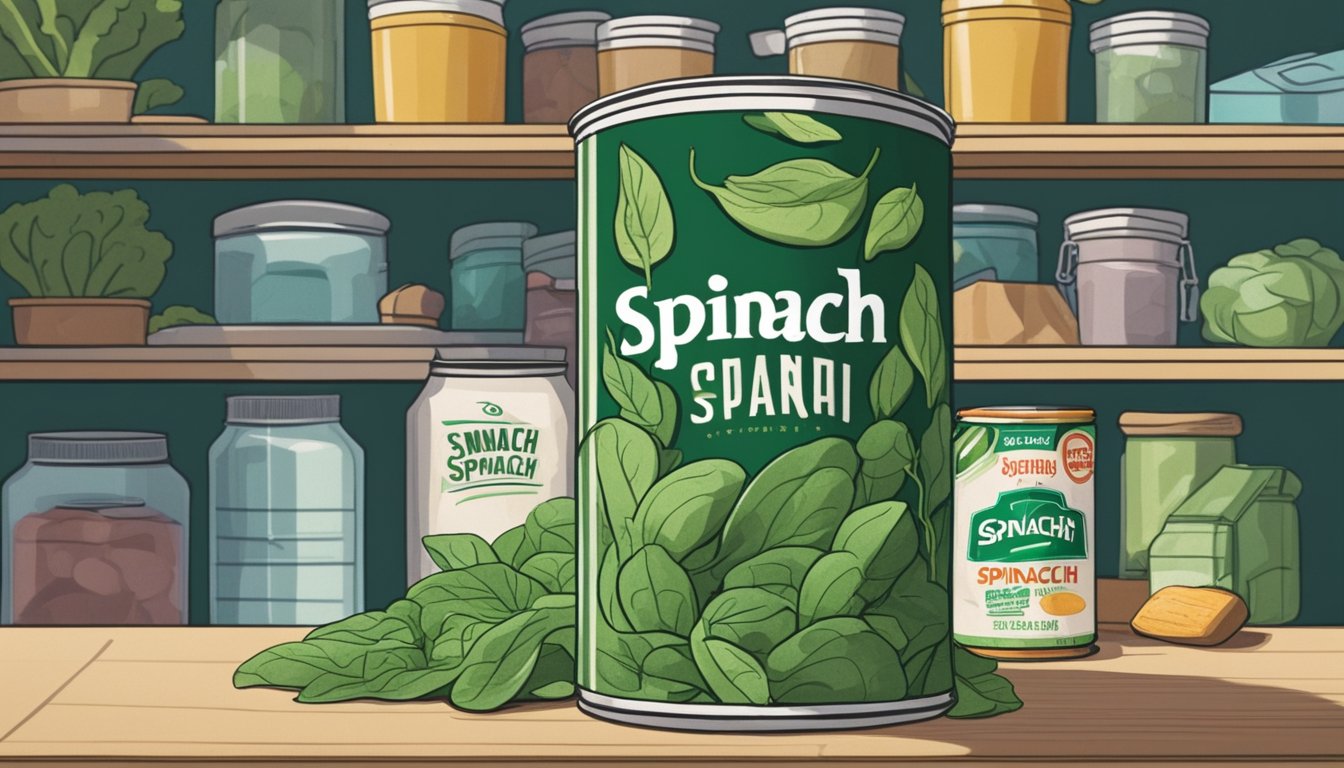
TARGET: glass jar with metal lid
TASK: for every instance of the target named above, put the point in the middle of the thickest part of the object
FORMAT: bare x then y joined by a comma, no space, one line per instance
300,261
488,440
559,65
97,525
637,50
994,242
552,294
1152,67
488,292
861,44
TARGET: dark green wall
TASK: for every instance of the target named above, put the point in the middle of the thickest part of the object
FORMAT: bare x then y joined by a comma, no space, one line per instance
1292,424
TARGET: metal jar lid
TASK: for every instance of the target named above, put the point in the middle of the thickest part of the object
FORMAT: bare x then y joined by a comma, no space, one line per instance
554,254
825,25
98,448
1155,223
490,10
1146,424
1150,28
284,411
303,215
563,30
658,32
502,361
978,213
490,235
1028,414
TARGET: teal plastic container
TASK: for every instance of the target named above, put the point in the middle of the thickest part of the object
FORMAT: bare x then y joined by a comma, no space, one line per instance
489,288
1306,89
997,239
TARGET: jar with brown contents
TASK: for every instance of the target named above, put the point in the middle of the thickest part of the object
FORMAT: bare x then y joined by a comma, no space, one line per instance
638,50
860,44
560,65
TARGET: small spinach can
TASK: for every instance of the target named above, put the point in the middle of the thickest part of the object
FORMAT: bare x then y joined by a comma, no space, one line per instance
764,476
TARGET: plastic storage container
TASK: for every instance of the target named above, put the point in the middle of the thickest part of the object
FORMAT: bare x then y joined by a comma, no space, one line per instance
559,65
637,50
1134,274
489,292
280,62
549,262
994,242
438,61
1167,456
1006,61
97,525
1151,67
1306,89
488,440
1238,531
300,261
862,44
286,514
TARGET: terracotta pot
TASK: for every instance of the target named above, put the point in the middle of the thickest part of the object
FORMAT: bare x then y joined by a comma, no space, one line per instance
80,322
66,100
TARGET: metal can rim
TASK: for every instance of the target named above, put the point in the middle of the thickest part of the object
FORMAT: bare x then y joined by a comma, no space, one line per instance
1028,414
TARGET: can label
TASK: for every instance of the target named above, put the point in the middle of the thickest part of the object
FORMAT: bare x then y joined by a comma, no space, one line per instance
1024,573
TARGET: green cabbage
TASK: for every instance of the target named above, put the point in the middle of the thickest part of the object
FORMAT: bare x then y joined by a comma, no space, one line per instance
1291,296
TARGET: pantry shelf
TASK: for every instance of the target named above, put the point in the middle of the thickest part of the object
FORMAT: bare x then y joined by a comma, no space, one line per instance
1147,364
191,151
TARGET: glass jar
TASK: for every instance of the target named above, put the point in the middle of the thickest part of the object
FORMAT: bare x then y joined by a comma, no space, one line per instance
994,238
286,514
98,525
637,50
552,295
559,65
488,440
1167,456
300,261
280,62
1151,67
489,292
438,61
861,44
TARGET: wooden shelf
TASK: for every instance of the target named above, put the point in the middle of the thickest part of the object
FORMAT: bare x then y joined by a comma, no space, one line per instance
1147,364
90,697
148,151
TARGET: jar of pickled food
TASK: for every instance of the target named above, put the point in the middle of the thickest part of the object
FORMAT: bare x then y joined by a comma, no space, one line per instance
637,50
280,62
559,65
1151,67
861,44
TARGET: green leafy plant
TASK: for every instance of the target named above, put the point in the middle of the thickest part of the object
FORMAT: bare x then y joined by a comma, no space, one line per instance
896,221
794,126
1290,296
99,39
645,227
176,315
91,245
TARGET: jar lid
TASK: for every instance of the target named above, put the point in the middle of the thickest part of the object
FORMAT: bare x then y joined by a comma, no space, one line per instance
504,235
1157,223
554,254
563,30
1150,28
658,32
978,213
490,10
96,448
825,25
1146,424
501,360
284,410
1028,414
281,215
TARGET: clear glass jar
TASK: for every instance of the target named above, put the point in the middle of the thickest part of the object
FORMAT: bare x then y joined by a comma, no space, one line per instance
488,440
560,65
552,295
280,61
286,514
300,261
489,293
1151,68
98,525
638,50
997,238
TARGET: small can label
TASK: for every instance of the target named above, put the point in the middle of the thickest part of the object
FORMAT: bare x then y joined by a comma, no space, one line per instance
1024,573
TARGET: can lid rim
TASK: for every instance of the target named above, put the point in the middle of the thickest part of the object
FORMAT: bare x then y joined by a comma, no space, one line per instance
1029,414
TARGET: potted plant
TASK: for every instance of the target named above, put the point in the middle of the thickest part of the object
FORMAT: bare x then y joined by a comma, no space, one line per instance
88,264
73,61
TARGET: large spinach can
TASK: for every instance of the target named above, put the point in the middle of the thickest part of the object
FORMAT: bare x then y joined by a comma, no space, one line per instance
764,347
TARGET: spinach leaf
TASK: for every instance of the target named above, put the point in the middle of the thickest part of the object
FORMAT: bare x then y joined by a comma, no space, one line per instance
630,665
458,550
668,460
656,594
896,221
922,334
553,570
934,462
666,429
607,592
831,588
750,618
921,609
835,661
625,458
155,93
793,126
805,202
936,676
733,675
636,394
551,527
552,678
645,228
502,660
492,592
390,685
980,691
295,665
456,636
891,384
687,508
886,451
779,571
512,548
885,542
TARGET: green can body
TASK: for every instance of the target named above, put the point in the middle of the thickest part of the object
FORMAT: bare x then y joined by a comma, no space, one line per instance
764,367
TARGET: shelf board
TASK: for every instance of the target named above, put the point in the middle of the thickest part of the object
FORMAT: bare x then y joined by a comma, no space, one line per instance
972,364
184,151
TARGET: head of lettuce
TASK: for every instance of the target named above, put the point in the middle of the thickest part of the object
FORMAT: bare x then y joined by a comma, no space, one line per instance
1291,296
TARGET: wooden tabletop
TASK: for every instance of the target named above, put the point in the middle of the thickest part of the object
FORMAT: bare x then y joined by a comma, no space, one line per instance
154,696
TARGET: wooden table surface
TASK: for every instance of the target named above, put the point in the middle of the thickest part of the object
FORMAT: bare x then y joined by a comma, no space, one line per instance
163,696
